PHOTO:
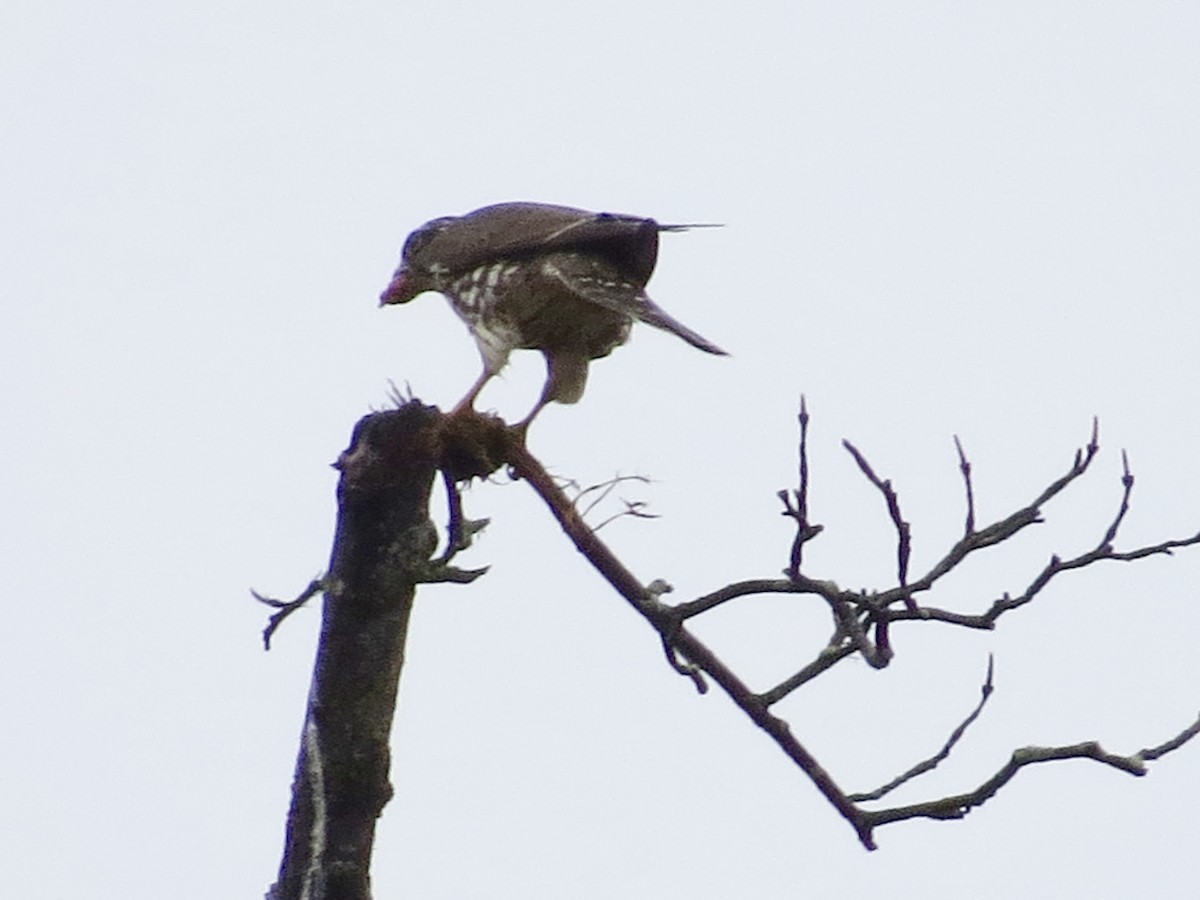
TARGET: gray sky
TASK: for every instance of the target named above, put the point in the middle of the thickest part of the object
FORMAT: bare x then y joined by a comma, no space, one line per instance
942,219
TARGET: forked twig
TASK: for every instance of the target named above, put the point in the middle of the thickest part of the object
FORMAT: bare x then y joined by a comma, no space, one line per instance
676,637
795,504
857,613
285,608
959,805
633,508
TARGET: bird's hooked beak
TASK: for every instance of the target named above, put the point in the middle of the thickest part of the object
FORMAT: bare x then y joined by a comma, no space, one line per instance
401,289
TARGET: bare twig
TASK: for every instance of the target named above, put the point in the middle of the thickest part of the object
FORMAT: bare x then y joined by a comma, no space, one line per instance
676,636
1163,548
802,489
1152,753
1127,484
853,613
800,585
602,490
1057,565
930,764
286,607
856,614
903,529
959,805
997,532
964,466
460,530
633,508
795,505
832,654
1102,551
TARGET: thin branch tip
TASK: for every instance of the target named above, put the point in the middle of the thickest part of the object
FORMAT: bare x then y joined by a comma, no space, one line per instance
284,608
1126,472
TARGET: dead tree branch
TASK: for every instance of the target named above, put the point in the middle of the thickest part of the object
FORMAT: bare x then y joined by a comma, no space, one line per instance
286,607
930,764
676,638
959,805
903,529
385,546
862,619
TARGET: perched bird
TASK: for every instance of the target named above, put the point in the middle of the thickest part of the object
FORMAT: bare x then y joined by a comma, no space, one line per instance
564,281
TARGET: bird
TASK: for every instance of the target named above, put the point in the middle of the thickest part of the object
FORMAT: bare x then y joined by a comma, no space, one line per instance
538,276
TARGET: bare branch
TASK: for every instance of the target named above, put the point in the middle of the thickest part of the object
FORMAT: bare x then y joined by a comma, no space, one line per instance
1153,753
832,654
959,805
634,509
374,484
964,466
802,490
1006,602
903,529
1127,484
460,530
751,587
286,607
1056,565
999,531
675,635
603,489
856,614
846,608
795,505
930,764
1103,550
1164,548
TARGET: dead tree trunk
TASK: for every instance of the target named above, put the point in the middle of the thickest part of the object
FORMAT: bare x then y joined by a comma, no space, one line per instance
381,551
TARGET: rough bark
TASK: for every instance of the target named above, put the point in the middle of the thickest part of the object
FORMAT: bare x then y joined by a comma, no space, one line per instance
382,550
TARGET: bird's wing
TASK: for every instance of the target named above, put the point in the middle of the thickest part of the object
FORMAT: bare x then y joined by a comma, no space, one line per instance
595,281
513,230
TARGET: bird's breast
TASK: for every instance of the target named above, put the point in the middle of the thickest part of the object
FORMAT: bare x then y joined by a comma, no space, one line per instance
513,304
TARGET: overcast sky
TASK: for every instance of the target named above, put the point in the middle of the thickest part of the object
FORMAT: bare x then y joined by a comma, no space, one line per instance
941,218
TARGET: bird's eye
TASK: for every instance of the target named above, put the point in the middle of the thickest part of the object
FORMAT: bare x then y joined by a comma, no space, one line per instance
422,236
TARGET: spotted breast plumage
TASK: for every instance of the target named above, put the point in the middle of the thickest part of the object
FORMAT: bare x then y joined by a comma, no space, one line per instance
564,281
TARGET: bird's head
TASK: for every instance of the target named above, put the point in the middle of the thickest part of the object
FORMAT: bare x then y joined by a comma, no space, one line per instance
418,271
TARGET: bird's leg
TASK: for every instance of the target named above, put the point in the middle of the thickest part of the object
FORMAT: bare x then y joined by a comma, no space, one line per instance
566,375
522,427
468,402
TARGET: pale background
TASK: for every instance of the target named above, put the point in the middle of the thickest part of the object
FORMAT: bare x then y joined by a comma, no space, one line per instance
941,218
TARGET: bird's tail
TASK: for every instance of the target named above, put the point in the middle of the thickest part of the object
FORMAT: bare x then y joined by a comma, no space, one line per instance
652,314
689,226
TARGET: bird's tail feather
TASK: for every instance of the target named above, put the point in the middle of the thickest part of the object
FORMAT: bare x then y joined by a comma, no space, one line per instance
651,314
689,226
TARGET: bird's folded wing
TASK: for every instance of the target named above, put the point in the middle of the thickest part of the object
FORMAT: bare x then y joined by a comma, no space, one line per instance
597,282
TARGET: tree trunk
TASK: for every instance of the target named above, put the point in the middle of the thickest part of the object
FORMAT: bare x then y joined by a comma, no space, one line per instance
383,544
